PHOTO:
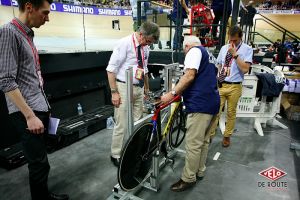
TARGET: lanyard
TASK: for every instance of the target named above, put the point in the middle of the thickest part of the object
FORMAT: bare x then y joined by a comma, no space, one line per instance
137,58
34,50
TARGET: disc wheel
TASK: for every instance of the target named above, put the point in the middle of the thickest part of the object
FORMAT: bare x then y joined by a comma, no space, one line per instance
136,157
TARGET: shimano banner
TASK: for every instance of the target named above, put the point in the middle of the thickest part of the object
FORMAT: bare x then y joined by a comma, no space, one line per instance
71,8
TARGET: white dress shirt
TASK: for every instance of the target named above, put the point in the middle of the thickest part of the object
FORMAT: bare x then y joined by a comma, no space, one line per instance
124,56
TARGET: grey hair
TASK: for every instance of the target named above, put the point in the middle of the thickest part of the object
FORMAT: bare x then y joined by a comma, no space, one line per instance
191,39
150,29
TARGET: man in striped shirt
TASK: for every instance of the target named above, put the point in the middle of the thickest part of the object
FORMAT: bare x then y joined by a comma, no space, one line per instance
22,83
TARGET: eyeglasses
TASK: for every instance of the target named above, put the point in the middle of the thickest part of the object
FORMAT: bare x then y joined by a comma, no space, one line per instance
148,40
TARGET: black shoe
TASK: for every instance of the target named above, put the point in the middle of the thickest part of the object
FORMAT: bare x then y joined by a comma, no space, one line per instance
115,161
199,178
53,196
181,186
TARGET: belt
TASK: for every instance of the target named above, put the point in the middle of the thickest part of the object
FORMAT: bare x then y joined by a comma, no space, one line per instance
125,82
231,82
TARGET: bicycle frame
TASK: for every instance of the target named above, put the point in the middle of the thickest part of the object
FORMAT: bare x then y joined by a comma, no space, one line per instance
156,119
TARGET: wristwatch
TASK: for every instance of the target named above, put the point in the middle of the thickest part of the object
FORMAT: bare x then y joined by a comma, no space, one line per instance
114,90
236,56
173,92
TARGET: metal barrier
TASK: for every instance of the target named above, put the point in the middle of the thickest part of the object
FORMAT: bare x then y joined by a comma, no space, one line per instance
251,107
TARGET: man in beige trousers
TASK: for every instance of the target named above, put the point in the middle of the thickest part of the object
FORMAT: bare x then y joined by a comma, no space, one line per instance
201,98
131,51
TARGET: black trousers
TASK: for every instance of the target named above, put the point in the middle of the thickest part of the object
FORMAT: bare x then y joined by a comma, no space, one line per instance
217,19
34,148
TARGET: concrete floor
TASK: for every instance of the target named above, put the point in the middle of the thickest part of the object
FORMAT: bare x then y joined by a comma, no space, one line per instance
84,171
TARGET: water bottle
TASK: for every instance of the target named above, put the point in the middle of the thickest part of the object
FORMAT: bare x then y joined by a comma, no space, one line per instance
79,109
110,123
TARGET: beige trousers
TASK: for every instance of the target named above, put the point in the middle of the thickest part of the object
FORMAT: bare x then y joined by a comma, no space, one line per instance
196,145
121,113
230,93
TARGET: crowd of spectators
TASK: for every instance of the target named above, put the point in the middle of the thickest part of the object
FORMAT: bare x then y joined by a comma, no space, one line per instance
125,4
279,5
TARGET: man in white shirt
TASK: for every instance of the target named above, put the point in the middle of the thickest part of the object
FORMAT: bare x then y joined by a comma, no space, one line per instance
234,61
131,51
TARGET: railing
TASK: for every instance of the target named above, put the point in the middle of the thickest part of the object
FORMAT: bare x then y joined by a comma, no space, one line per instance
284,31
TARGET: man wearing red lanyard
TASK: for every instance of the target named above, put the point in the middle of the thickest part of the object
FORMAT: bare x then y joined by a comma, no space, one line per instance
22,83
131,51
234,60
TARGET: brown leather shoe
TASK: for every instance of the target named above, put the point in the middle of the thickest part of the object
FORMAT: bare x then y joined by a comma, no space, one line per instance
226,141
181,186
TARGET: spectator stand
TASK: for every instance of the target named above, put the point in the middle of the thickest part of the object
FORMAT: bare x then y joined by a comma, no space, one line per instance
250,106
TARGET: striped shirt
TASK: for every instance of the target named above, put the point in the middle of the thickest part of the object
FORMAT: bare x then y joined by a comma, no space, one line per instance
18,67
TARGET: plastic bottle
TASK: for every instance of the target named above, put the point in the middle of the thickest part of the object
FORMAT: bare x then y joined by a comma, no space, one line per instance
79,109
110,123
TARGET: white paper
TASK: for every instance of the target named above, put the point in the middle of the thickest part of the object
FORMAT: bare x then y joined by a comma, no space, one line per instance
53,125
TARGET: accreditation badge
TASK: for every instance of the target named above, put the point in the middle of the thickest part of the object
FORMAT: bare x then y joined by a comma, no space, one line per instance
139,74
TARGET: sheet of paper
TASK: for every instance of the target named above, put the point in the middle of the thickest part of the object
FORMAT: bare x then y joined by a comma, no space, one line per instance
53,125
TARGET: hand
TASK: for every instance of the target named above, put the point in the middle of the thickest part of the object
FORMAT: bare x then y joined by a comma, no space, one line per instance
187,12
146,91
166,98
35,125
231,49
146,97
116,99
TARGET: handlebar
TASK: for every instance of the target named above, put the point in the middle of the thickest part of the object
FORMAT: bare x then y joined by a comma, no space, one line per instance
153,103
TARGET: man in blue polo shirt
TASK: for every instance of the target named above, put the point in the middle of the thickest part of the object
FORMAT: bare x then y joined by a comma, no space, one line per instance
234,61
201,98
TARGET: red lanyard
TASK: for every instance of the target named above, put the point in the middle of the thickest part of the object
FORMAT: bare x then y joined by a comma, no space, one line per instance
137,58
33,48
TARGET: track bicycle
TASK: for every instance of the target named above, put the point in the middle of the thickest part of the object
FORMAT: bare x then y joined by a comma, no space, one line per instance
137,153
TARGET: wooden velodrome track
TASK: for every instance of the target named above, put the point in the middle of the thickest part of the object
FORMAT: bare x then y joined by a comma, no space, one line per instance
68,27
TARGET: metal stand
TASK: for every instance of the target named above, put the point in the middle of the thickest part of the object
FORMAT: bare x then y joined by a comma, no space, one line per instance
129,84
151,181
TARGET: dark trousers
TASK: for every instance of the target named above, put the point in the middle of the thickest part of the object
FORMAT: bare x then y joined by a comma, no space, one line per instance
177,39
34,148
217,19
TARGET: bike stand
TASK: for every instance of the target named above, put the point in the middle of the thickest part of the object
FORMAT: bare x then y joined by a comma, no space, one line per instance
151,181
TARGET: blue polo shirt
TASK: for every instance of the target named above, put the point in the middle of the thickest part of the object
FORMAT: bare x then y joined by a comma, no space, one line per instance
245,52
176,8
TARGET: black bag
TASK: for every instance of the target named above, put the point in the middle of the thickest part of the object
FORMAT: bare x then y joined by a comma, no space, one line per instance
12,156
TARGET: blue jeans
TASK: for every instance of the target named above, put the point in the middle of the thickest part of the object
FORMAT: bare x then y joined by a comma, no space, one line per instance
177,43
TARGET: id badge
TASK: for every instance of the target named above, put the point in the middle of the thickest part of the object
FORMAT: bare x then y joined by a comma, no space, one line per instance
139,73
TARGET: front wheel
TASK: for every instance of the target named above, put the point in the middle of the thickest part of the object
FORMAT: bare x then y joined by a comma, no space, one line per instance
178,129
